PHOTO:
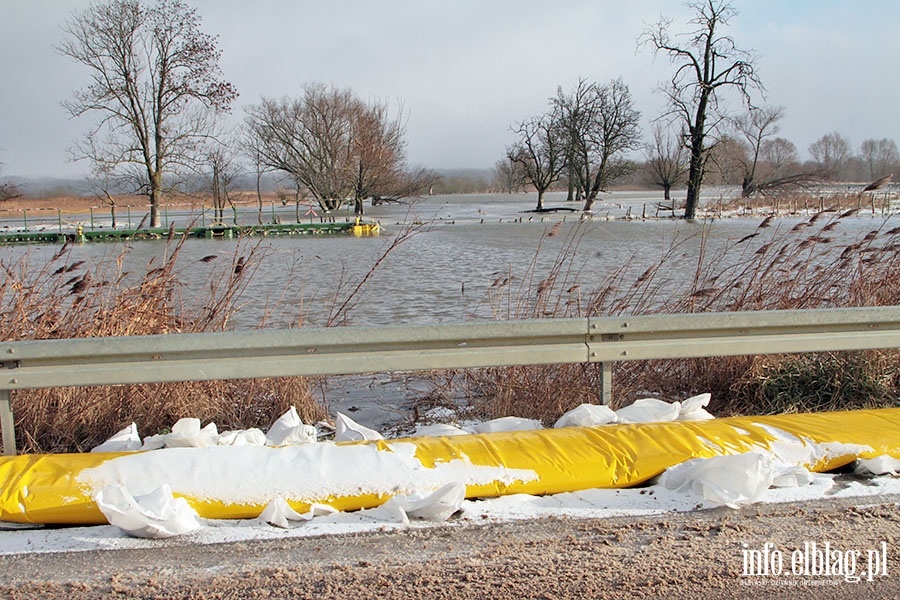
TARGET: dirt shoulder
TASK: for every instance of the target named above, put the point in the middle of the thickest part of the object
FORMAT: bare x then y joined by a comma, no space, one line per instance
678,555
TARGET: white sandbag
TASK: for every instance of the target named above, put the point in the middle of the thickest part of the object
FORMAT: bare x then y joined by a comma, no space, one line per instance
701,414
880,465
154,442
438,430
587,415
280,514
791,476
126,440
649,410
508,424
730,480
154,515
436,506
389,512
242,437
289,430
186,433
694,408
348,430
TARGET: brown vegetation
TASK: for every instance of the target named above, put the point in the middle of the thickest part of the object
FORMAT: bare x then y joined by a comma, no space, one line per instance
68,299
777,267
803,203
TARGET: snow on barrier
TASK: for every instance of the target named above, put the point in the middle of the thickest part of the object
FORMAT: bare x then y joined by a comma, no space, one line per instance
240,481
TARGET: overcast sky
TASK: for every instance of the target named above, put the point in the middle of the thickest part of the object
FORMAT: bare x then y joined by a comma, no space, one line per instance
465,70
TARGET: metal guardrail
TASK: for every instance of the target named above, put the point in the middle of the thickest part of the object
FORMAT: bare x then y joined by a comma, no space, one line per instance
350,350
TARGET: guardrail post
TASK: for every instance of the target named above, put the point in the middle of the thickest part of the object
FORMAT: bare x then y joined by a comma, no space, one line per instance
605,382
7,426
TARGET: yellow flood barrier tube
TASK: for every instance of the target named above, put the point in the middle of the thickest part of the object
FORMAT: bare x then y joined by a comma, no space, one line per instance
237,482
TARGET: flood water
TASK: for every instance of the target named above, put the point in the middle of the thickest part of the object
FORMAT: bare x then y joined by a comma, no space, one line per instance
444,273
448,272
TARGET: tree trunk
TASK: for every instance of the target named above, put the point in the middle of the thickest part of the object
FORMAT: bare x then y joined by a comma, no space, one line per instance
747,187
695,180
218,205
589,202
155,195
667,189
259,217
540,202
695,172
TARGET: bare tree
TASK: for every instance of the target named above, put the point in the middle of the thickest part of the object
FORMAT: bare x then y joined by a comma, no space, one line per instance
8,190
707,63
508,176
600,125
727,160
378,148
334,144
831,153
666,159
880,156
754,127
223,169
155,81
105,183
259,169
540,153
780,155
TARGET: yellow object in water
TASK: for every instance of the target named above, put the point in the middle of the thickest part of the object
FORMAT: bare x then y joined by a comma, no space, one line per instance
360,229
237,482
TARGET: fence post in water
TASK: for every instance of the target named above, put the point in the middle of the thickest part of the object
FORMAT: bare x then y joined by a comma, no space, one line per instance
7,425
25,218
605,383
59,219
92,218
274,219
129,217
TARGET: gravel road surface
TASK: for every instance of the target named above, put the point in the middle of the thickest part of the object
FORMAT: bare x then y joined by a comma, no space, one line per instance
703,554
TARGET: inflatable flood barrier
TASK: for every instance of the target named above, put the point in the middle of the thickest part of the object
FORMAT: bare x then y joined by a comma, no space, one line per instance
239,481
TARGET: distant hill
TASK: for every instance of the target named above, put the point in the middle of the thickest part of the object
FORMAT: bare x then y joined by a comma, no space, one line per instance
49,186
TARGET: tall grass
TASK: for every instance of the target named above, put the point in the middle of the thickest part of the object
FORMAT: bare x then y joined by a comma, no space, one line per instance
65,298
778,266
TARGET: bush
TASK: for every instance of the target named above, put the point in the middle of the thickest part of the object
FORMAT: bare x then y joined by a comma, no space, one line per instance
820,382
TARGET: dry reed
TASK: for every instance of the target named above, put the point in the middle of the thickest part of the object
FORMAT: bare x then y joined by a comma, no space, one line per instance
776,267
64,298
